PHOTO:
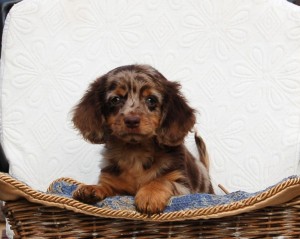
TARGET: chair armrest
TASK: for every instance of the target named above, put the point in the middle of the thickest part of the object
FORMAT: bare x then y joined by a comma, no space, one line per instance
5,6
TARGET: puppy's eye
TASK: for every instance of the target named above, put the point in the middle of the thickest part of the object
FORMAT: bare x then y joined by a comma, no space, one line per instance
116,100
151,102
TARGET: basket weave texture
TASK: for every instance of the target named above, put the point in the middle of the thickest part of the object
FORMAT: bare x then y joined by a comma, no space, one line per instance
31,220
33,214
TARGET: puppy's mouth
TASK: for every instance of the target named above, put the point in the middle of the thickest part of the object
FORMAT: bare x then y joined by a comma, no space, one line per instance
133,136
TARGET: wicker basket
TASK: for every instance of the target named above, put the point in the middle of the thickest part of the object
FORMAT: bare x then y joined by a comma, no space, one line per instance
39,215
31,220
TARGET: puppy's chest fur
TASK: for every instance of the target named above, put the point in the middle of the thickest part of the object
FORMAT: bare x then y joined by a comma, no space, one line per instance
134,165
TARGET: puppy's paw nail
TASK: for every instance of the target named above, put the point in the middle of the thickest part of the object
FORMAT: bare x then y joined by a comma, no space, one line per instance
152,203
88,194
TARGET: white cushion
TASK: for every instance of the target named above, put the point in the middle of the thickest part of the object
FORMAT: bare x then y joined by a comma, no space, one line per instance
238,62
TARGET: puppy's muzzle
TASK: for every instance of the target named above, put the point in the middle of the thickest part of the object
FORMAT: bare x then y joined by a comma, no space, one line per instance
132,121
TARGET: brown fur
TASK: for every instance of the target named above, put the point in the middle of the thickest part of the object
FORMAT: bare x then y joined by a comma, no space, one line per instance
142,119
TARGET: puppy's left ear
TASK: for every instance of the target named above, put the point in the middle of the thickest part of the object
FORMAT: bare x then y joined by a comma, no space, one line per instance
178,118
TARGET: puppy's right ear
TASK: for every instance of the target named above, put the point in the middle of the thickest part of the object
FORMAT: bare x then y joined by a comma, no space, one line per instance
88,114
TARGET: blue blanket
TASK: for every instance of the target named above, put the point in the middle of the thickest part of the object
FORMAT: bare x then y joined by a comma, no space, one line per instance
185,202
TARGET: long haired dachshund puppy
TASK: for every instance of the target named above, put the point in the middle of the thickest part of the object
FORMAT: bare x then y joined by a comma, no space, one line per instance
142,118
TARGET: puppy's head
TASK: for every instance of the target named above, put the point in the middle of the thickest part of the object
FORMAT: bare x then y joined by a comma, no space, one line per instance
134,103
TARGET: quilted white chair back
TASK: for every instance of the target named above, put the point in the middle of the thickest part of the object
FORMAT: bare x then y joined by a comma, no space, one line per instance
238,62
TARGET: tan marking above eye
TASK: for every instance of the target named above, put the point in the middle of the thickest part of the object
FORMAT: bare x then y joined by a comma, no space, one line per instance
147,91
117,92
120,91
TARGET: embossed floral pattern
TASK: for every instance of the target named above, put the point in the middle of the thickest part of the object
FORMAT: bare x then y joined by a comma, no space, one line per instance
214,27
46,76
109,26
268,74
9,121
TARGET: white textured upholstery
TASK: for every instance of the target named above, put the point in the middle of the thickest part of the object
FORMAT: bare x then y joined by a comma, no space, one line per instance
238,62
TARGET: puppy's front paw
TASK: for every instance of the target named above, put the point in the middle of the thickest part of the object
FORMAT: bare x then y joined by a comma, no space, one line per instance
151,202
90,194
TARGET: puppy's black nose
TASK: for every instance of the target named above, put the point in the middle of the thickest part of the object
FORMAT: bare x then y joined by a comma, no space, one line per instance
132,121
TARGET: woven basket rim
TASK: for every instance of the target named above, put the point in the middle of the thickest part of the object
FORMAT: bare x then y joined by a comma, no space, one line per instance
281,193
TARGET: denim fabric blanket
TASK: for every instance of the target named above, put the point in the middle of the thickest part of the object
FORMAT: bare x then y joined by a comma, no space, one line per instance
178,203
